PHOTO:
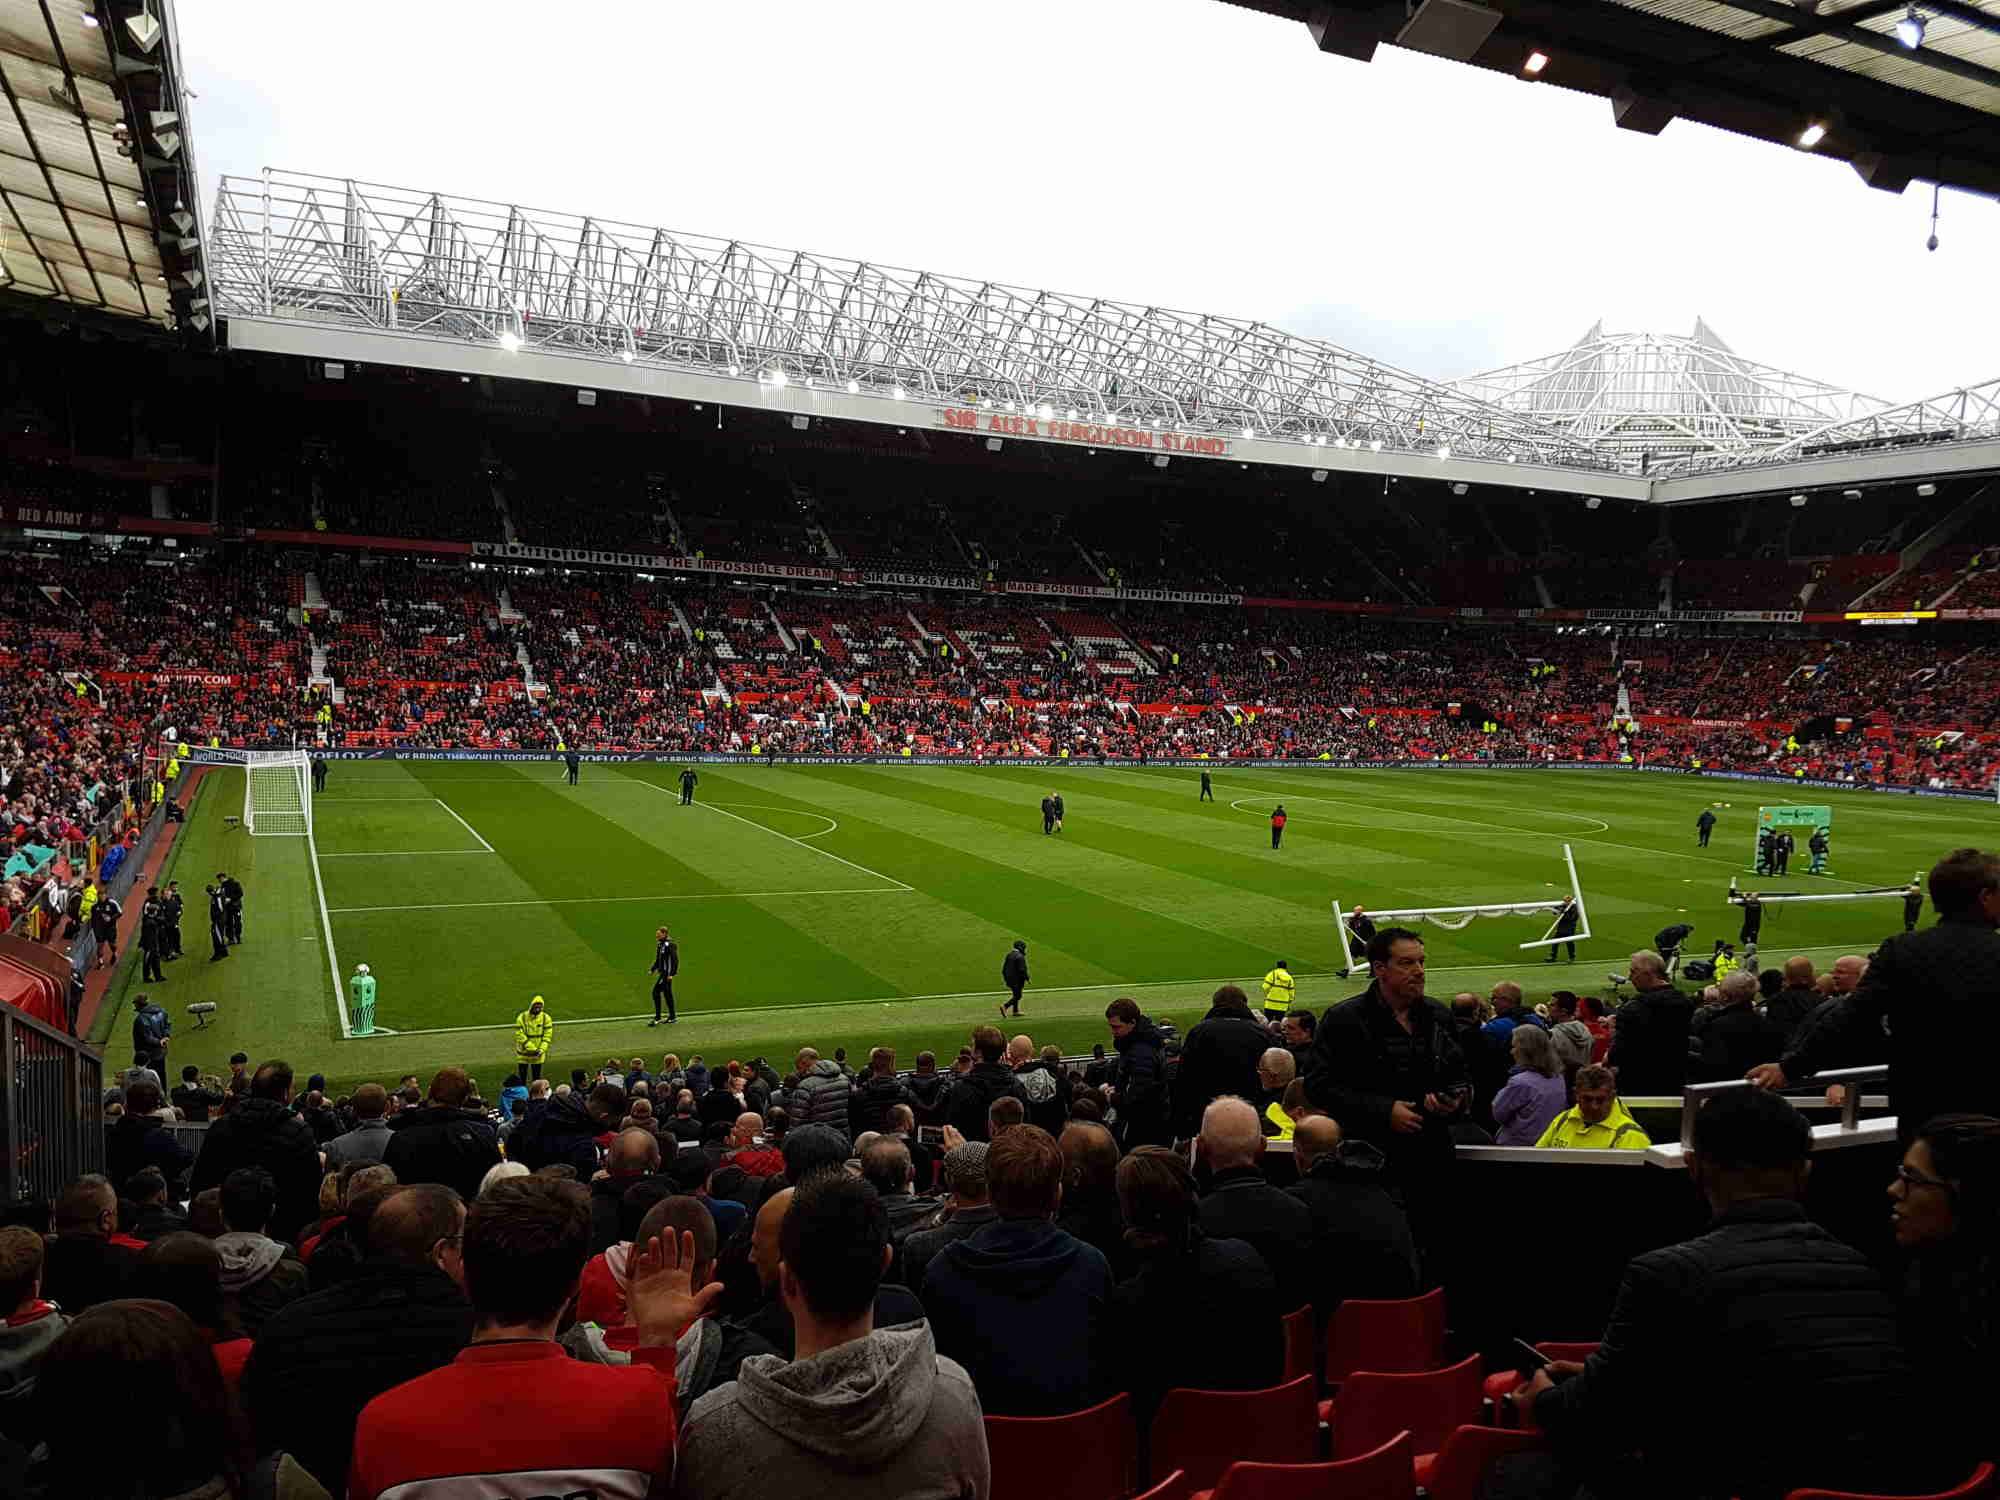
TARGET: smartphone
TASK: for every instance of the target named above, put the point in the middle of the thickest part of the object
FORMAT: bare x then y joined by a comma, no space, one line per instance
930,1135
1536,1359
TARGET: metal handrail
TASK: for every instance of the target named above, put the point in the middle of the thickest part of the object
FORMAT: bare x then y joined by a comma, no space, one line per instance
1693,1097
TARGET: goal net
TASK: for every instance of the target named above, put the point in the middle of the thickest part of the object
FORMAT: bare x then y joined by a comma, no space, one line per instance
277,789
1557,911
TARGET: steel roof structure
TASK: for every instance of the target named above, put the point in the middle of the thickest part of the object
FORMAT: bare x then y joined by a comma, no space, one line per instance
98,205
327,250
1647,397
341,270
1836,77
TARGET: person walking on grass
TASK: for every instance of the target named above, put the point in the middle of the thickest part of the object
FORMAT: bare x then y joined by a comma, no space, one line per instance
1207,789
1014,974
666,964
1278,825
688,780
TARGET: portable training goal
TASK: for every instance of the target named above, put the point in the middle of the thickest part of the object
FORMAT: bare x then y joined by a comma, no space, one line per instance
1454,918
277,789
1772,899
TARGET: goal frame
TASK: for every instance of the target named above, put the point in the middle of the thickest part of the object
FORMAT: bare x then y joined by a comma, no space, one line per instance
296,764
1551,904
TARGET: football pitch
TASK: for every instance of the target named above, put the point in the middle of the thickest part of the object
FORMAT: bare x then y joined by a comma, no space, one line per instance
866,905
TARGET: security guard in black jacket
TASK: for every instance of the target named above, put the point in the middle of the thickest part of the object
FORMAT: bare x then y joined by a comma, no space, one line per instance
666,964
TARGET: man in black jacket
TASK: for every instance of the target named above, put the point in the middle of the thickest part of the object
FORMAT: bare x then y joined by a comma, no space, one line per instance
1649,1050
443,1142
321,1359
1240,1203
139,1138
1928,1004
262,1131
1138,1077
1784,1330
1798,999
869,1104
1219,1058
1361,1245
1014,974
988,1079
1733,1037
1385,1065
1043,1081
567,1130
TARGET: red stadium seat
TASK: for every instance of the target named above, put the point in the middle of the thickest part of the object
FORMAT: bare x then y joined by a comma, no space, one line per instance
1203,1432
1456,1470
1428,1405
1381,1475
1390,1337
1298,1343
1503,1383
1173,1487
1086,1455
1979,1487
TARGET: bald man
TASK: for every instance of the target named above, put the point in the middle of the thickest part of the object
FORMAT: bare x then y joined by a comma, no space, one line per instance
1798,998
1649,1051
634,1158
1508,1012
1241,1203
772,1321
1275,1071
1361,1245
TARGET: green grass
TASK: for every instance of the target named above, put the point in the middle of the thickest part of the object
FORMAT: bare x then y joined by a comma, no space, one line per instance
856,905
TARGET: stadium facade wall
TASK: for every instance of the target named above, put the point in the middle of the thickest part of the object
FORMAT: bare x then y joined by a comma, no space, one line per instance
706,758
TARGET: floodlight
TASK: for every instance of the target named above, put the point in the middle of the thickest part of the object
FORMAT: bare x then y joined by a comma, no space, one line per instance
1910,30
1812,135
1444,451
734,370
1535,62
627,355
510,341
1072,414
1376,445
853,387
776,378
1046,412
1249,432
896,393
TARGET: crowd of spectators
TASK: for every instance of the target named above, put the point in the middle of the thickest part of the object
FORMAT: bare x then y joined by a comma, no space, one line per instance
714,1278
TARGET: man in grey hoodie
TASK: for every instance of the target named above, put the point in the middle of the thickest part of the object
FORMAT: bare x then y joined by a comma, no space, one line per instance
30,1325
259,1275
859,1411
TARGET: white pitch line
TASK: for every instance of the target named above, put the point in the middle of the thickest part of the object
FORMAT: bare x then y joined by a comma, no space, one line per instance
832,824
404,853
752,822
463,824
326,931
846,890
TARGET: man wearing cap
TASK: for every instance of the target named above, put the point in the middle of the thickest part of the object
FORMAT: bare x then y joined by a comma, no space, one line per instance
967,1208
534,1030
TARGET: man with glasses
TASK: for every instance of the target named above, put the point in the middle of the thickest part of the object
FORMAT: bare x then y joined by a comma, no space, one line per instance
324,1357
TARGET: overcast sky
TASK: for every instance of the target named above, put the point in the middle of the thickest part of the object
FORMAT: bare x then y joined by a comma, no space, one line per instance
1178,152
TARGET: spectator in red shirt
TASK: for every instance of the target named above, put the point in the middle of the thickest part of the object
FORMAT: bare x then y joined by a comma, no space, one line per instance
514,1412
755,1159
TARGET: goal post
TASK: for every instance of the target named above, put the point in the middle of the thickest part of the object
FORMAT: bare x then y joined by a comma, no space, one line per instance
277,788
1454,918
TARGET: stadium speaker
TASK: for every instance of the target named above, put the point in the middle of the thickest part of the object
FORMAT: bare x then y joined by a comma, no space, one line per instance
1645,113
586,398
993,445
1319,476
1456,29
800,424
1344,33
1591,502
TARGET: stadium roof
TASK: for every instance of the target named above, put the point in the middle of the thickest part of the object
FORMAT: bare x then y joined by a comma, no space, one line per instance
98,206
338,270
1651,397
1832,76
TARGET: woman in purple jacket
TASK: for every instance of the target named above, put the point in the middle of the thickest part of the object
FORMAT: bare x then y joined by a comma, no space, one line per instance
1534,1092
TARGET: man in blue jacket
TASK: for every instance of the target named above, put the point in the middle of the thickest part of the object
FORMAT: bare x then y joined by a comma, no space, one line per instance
1021,1304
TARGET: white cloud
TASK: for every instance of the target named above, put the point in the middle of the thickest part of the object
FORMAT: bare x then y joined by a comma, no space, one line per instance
1182,152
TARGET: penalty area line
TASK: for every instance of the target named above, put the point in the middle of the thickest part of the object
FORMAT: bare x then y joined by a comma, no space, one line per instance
463,824
845,890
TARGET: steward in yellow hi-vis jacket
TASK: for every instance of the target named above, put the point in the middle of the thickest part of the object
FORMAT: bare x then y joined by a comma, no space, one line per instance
1279,990
534,1030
